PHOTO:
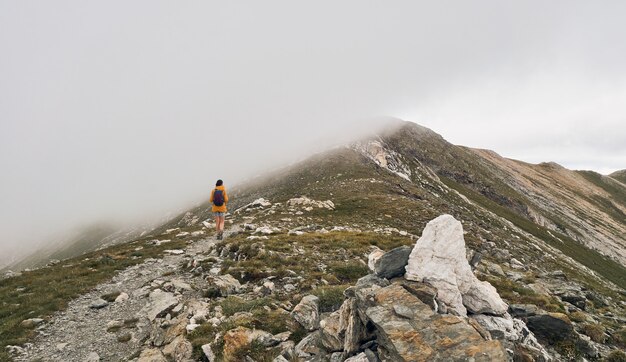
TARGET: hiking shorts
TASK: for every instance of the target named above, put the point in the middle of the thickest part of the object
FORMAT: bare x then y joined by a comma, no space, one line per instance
218,214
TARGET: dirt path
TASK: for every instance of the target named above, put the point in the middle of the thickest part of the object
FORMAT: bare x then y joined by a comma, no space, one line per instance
80,331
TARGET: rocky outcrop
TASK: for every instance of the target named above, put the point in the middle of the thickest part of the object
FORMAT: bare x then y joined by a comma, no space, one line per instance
439,258
424,335
390,264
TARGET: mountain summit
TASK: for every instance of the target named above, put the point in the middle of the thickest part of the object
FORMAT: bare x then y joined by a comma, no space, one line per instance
398,246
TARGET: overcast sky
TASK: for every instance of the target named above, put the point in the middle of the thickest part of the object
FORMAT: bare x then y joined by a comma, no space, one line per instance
124,110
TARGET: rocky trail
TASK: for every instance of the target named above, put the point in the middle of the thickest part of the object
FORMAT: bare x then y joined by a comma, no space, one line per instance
94,329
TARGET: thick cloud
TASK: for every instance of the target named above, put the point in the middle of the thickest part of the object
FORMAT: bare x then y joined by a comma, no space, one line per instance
127,110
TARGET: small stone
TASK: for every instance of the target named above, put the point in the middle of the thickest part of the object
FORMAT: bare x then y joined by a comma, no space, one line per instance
92,357
31,323
191,327
123,338
61,346
98,304
174,251
121,298
113,326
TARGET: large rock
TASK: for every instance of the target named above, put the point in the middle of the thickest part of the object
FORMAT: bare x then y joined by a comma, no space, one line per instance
226,284
552,327
160,303
307,312
352,327
390,264
439,258
424,335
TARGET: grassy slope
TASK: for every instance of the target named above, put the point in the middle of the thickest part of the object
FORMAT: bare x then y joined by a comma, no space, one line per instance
616,190
619,176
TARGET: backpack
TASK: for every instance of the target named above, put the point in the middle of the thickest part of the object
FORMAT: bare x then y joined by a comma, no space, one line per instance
218,197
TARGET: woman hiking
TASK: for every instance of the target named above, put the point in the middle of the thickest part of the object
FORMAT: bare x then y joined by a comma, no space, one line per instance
219,198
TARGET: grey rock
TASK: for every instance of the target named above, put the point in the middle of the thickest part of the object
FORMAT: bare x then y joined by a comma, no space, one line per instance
523,310
160,304
331,333
424,292
98,304
361,357
226,284
92,357
403,311
307,312
371,280
578,300
309,346
552,327
338,357
392,263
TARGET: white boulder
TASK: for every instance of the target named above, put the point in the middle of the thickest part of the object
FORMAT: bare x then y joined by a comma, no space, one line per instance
439,259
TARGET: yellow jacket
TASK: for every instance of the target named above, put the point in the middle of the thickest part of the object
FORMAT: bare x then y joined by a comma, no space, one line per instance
219,208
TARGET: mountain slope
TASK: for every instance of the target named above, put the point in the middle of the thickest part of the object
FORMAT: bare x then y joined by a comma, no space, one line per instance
619,176
309,228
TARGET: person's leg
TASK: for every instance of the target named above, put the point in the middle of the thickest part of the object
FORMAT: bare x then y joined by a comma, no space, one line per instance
217,224
222,224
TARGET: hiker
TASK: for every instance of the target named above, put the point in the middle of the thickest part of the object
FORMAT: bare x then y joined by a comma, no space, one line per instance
219,198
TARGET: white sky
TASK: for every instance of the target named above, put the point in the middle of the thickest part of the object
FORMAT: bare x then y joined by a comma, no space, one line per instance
124,110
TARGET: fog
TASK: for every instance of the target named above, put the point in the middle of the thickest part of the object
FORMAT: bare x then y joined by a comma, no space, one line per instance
124,112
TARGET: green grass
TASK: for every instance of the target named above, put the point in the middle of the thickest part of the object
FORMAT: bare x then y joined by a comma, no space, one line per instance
48,290
331,297
232,305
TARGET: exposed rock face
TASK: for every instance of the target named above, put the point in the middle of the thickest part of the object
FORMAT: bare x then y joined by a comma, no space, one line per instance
307,312
390,264
439,258
427,335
